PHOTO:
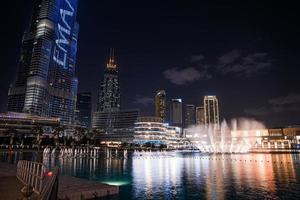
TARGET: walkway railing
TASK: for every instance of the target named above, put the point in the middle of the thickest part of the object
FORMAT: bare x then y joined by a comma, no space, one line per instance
33,174
50,189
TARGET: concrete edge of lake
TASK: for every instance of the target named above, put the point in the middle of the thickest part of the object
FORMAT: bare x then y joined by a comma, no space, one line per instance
69,187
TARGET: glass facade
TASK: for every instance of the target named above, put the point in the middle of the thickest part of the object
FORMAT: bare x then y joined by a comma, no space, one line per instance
109,99
152,130
160,104
84,107
211,110
46,84
109,119
200,115
176,112
111,122
190,115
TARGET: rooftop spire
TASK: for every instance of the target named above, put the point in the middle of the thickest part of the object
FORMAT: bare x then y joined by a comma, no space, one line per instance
111,64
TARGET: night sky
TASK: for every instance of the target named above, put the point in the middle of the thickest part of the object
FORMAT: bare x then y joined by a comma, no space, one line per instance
245,52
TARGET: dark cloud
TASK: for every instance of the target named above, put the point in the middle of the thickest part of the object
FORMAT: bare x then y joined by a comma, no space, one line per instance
195,58
257,111
185,76
195,71
285,100
286,108
284,104
269,110
244,66
143,100
229,57
232,62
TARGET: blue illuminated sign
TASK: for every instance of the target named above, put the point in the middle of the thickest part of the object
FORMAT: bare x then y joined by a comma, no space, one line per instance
62,42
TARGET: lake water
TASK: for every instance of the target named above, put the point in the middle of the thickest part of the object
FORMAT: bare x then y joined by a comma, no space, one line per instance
186,175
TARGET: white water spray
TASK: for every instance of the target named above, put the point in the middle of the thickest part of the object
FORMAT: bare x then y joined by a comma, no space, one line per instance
238,137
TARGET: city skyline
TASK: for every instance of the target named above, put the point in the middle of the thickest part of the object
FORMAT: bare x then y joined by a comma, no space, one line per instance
251,79
149,100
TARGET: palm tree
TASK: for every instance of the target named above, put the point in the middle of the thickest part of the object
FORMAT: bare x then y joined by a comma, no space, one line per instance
56,134
22,139
79,133
11,132
38,131
94,134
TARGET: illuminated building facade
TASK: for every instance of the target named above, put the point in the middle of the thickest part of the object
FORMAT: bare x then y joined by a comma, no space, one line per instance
84,109
46,84
211,111
282,138
109,95
110,122
176,112
190,115
200,115
160,104
115,126
152,130
24,123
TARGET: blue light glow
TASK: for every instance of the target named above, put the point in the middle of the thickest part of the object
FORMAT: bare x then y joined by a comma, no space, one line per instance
64,30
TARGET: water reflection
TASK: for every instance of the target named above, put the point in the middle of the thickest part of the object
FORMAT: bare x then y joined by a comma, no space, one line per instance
186,176
247,176
108,170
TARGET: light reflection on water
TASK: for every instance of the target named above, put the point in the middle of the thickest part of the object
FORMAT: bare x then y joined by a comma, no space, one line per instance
216,177
187,176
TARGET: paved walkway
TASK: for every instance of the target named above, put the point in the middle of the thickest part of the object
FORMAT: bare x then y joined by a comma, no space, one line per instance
70,187
10,186
75,188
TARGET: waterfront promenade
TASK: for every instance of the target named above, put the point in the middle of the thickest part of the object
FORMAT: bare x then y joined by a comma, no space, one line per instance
10,186
69,187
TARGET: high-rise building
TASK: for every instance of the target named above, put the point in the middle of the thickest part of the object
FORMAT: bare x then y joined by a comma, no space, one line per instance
84,108
176,112
200,115
160,104
211,111
190,115
109,99
46,84
109,119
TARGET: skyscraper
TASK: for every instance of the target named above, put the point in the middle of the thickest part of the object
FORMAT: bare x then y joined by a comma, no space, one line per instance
84,107
190,115
109,118
160,104
46,84
200,115
109,94
211,111
176,112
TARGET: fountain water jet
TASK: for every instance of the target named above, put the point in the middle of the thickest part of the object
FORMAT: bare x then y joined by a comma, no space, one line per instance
239,137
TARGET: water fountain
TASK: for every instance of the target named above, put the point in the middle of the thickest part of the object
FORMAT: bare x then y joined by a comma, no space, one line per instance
237,137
